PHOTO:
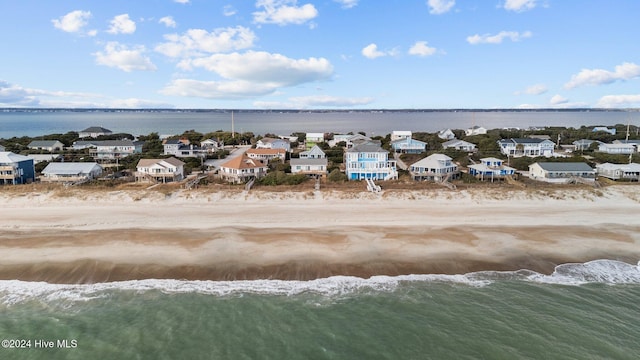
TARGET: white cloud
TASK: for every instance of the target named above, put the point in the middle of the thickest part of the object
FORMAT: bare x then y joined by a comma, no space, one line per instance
168,21
72,22
420,48
263,67
612,101
249,74
623,72
558,99
347,4
182,1
438,7
134,103
536,89
283,12
498,38
519,5
123,58
195,42
122,24
304,102
12,95
229,10
371,51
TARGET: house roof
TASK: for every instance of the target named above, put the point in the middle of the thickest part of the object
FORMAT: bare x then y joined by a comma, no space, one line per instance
315,149
564,166
433,160
583,142
367,147
625,167
172,142
456,142
70,168
491,159
634,142
150,162
409,140
96,129
308,161
85,143
243,162
267,140
114,143
402,132
525,140
7,157
43,143
263,151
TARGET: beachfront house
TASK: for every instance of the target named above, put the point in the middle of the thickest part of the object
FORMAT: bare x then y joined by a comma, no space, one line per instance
312,139
400,135
314,153
309,166
114,149
475,130
409,146
630,172
635,143
71,172
16,169
47,145
490,169
273,143
267,155
446,134
242,168
369,161
460,145
620,149
526,147
560,171
94,132
435,167
210,145
159,170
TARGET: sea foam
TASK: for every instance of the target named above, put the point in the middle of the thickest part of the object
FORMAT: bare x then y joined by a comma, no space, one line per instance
609,272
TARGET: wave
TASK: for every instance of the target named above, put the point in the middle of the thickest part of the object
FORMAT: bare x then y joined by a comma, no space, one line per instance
608,272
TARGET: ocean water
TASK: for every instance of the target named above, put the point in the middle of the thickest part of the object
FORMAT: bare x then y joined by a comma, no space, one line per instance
37,123
581,311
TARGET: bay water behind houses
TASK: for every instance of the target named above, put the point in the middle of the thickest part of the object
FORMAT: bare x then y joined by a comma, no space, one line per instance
36,123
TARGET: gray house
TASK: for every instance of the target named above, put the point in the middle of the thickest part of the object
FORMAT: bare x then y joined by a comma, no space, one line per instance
48,145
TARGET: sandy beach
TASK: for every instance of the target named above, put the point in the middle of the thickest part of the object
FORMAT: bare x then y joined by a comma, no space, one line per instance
83,236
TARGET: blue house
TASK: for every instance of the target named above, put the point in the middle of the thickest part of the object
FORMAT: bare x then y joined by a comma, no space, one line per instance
16,169
409,146
490,169
369,161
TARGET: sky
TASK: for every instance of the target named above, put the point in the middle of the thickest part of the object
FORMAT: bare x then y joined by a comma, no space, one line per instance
320,54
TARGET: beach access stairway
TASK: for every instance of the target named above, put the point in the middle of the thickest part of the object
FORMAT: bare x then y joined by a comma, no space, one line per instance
579,180
193,182
248,185
371,186
446,183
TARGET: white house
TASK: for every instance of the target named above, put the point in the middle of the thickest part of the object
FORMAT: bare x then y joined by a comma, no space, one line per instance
459,145
560,171
309,166
400,134
435,167
273,143
178,148
490,169
210,145
314,153
369,161
70,172
242,168
623,149
114,149
526,147
446,134
619,171
94,132
583,144
266,155
48,145
312,139
475,130
409,146
160,170
349,140
636,143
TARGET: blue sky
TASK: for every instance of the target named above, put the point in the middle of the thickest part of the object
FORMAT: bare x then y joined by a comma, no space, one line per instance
324,54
